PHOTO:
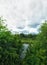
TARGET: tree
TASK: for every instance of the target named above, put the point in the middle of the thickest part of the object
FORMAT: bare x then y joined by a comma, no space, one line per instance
37,52
9,46
42,38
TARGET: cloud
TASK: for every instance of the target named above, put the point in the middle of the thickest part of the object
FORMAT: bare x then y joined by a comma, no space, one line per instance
23,15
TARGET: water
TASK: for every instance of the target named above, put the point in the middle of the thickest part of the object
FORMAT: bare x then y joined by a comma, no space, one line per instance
24,50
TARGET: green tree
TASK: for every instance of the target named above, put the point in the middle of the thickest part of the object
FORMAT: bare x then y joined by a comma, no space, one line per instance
37,52
9,46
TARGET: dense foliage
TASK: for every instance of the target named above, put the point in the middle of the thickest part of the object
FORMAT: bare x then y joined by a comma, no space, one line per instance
11,45
37,52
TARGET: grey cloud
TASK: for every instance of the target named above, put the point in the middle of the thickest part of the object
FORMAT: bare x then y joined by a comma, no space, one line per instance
20,27
33,25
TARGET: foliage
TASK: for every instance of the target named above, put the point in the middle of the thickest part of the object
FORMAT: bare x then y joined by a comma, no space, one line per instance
37,53
11,45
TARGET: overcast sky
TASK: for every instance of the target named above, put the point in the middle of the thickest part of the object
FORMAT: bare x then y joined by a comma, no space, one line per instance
24,15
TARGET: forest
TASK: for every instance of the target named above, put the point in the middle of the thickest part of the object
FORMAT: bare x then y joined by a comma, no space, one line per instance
12,47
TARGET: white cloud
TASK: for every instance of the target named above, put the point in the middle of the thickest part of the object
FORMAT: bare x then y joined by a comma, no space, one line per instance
23,13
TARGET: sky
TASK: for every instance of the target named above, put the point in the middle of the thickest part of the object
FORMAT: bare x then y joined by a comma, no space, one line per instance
24,16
